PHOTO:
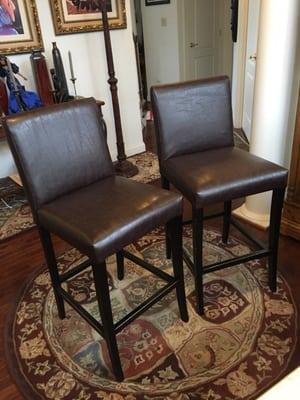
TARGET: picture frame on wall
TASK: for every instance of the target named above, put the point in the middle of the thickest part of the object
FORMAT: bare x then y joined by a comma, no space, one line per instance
75,16
20,30
156,2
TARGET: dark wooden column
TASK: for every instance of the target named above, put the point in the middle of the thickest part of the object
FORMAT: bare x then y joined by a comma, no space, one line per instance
123,166
290,224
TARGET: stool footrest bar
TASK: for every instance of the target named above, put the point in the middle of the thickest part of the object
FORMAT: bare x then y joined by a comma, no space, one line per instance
227,263
144,264
235,261
129,317
74,271
82,312
145,305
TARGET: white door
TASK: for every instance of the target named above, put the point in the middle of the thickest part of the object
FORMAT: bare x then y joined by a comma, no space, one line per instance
200,48
252,36
207,46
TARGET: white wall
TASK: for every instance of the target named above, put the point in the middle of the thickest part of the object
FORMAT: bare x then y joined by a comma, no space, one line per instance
89,59
161,43
133,21
239,59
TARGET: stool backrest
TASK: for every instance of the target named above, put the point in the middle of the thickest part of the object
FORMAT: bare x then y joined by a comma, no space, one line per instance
192,116
58,149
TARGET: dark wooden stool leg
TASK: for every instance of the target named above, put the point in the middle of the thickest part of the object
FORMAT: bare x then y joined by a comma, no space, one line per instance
274,231
226,221
198,257
166,185
120,265
168,241
53,270
102,291
175,226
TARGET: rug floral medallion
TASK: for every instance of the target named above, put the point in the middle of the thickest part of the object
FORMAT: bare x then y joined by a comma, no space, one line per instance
239,347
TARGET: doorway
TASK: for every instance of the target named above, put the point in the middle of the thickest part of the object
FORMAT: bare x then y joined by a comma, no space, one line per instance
183,40
205,38
250,65
138,38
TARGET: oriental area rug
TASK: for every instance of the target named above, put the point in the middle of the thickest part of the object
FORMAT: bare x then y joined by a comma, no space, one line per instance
15,214
239,348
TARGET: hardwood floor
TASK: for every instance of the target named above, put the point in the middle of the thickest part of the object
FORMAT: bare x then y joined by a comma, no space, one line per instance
19,257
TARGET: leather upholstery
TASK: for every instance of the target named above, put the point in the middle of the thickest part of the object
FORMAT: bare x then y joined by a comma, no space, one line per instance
223,174
64,160
192,116
59,149
62,156
196,150
102,218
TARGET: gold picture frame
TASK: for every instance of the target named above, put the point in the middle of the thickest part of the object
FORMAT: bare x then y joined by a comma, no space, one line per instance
20,30
69,18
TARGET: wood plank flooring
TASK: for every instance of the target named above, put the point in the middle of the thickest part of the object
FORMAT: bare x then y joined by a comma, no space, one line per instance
19,257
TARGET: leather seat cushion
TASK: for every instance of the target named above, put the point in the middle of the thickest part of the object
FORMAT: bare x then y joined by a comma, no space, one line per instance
102,218
221,175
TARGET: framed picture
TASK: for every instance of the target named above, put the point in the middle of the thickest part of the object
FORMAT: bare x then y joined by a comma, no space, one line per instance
19,27
156,2
74,16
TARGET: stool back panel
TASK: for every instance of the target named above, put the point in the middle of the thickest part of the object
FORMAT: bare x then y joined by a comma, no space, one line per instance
192,116
58,149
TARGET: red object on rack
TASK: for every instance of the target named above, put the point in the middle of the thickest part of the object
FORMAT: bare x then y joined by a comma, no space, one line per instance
3,97
41,76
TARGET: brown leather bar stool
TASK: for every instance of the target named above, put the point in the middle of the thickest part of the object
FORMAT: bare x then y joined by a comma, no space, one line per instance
196,152
63,160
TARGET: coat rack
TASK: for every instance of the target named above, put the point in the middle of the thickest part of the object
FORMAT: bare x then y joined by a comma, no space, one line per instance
122,166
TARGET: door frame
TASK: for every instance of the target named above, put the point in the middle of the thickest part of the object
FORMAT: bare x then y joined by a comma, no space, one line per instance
239,64
181,40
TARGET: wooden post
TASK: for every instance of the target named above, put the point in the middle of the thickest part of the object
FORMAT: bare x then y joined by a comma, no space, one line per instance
122,166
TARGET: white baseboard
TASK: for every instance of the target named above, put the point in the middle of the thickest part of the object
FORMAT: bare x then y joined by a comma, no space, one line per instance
136,150
261,221
131,151
7,164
